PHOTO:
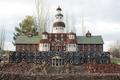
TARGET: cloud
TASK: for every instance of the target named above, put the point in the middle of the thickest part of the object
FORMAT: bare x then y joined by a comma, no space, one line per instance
9,46
15,9
101,17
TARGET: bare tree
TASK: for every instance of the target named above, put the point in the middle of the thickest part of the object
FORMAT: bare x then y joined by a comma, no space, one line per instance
67,22
42,16
2,38
70,22
115,49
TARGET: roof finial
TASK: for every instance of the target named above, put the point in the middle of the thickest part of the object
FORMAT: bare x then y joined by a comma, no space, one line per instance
59,9
88,31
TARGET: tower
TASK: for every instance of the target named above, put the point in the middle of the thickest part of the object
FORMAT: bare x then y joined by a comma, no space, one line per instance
59,25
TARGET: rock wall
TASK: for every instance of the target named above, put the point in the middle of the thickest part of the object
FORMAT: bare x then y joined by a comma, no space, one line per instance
102,68
57,77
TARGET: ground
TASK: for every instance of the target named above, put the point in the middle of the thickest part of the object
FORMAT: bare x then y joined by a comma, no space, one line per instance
25,71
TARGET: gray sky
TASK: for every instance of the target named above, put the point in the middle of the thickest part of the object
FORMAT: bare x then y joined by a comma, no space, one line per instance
101,17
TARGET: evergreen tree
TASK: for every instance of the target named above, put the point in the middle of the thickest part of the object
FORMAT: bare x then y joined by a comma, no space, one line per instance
26,28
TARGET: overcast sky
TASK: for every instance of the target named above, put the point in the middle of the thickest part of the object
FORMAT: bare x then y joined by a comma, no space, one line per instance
101,17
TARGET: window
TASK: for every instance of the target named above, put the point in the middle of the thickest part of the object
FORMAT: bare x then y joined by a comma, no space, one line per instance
45,45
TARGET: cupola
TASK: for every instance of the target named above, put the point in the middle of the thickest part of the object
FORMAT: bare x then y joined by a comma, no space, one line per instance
88,34
59,25
59,9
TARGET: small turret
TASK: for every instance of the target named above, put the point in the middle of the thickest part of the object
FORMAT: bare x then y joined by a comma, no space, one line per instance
88,34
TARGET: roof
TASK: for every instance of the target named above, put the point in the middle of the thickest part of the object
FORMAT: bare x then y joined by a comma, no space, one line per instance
44,41
59,14
44,32
80,40
59,24
71,41
90,40
27,40
72,33
59,9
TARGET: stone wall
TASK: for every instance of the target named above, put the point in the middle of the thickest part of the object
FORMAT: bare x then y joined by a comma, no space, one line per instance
57,77
102,68
25,71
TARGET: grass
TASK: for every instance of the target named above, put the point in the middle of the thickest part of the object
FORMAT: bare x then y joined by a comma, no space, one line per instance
115,60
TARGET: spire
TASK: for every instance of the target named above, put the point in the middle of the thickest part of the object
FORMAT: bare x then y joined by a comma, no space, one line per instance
59,9
59,15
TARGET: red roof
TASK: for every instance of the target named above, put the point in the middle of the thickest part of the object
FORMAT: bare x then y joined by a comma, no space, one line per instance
57,24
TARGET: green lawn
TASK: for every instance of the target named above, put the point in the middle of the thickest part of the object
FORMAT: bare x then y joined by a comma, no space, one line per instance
115,60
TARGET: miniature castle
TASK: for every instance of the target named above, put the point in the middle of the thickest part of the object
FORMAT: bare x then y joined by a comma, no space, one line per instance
60,40
60,47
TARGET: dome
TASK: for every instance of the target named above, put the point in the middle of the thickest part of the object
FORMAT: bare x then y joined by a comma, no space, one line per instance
59,14
57,24
59,9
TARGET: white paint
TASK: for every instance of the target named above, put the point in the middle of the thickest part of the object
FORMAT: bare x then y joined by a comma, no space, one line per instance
58,29
71,47
44,36
71,36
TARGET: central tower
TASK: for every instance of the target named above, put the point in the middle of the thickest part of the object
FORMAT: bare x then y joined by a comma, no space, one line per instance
59,25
